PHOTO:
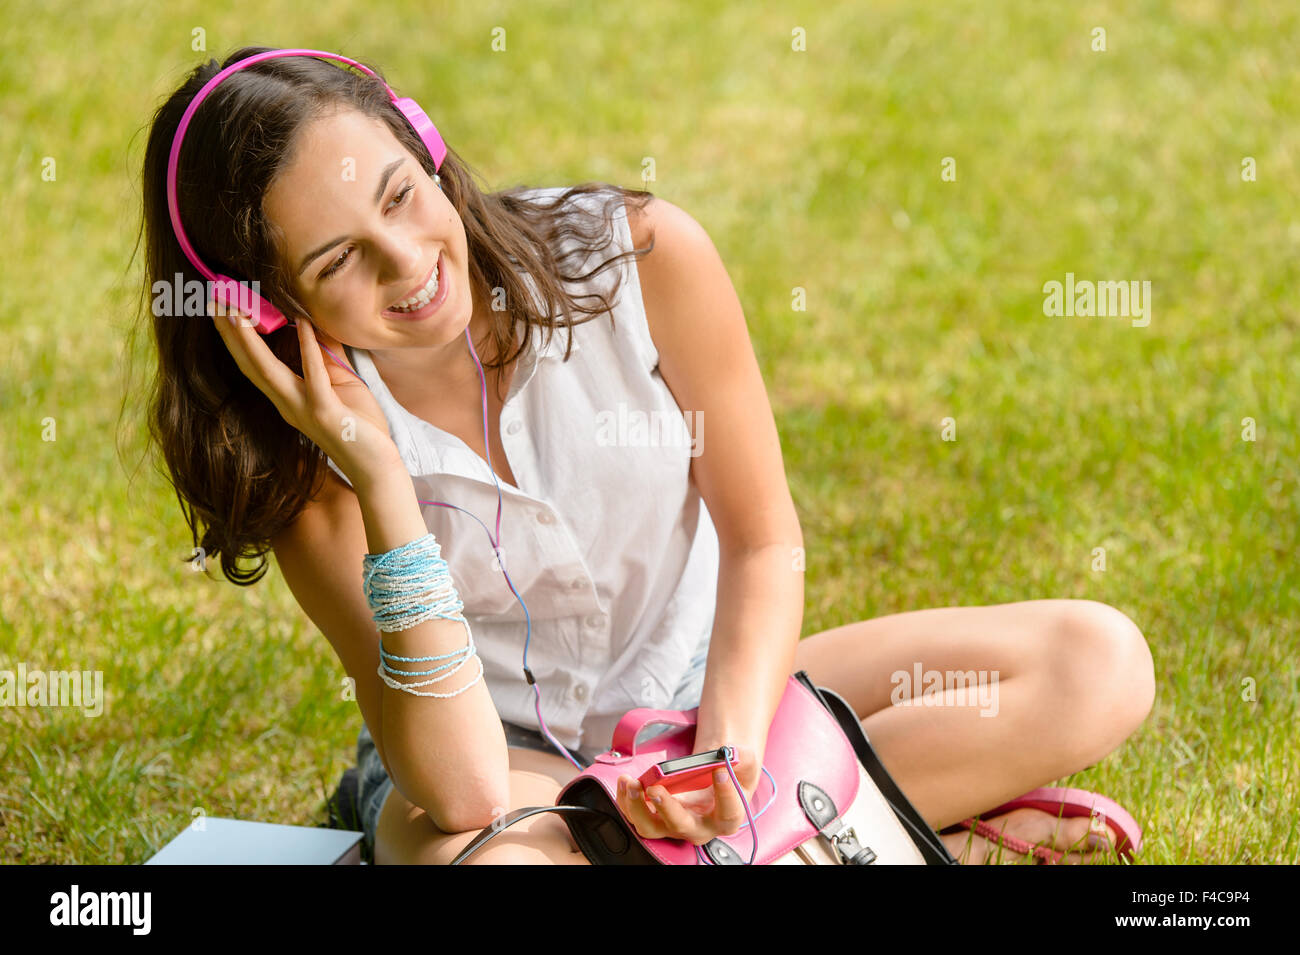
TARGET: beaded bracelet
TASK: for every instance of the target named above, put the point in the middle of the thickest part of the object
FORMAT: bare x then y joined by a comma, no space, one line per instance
404,587
410,584
408,687
464,654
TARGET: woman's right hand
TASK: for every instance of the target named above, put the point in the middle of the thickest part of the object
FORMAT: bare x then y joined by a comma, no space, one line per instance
333,408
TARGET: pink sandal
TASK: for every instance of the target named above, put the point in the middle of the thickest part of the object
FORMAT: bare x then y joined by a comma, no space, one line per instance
1065,804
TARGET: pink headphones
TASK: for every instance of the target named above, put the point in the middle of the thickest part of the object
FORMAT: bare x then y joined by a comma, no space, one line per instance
226,290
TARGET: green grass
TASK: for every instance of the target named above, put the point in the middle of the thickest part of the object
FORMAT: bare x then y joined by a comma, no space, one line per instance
818,170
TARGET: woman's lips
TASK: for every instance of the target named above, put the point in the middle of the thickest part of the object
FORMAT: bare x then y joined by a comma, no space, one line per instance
434,303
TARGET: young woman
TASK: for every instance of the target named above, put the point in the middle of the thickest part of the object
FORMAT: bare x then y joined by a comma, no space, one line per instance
655,572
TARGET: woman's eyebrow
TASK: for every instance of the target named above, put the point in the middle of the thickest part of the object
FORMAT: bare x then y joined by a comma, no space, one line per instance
385,174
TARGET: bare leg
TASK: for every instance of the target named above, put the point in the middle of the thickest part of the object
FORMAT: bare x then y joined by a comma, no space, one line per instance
405,835
1075,678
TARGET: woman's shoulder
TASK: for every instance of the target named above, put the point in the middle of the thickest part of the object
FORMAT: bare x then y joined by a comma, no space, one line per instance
668,224
639,220
598,201
682,256
677,245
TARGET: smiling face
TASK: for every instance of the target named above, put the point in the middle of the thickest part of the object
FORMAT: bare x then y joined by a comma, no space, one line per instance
364,228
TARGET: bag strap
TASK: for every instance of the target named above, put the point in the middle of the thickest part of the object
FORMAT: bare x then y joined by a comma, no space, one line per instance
509,819
634,721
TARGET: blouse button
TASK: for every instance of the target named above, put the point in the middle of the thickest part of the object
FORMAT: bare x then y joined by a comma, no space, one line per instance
513,427
595,620
544,517
580,691
576,583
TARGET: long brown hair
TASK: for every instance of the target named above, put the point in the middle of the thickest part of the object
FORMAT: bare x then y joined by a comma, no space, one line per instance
240,471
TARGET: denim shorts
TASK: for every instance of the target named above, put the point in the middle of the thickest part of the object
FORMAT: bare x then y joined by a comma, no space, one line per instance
374,785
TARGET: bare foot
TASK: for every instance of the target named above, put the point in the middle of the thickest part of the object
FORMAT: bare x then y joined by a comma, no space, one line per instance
1083,839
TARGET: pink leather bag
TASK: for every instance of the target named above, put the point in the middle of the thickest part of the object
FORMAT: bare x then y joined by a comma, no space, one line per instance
834,803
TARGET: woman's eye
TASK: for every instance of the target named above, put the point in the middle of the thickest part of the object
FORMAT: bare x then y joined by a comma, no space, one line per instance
397,199
339,262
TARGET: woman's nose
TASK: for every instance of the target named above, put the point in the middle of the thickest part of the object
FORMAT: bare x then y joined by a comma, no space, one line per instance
406,261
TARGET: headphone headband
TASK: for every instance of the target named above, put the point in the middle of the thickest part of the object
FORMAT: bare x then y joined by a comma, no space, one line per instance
227,290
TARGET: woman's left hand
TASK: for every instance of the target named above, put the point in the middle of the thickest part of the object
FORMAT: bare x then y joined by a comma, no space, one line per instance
696,816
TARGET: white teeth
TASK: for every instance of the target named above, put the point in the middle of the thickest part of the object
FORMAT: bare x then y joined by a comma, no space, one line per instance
420,300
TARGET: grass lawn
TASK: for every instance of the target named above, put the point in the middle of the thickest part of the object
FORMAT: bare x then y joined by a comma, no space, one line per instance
817,169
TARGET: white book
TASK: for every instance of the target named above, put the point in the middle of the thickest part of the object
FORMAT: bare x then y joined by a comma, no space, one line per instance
239,842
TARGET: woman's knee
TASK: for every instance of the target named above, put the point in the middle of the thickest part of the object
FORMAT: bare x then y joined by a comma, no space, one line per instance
1104,677
405,835
545,842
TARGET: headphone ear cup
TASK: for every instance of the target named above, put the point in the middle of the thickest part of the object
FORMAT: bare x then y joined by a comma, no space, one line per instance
424,127
238,295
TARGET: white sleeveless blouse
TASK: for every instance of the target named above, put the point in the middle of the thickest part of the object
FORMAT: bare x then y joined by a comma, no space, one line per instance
606,540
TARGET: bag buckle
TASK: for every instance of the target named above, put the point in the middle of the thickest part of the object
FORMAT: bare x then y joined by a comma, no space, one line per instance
821,812
850,851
